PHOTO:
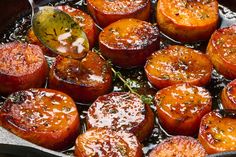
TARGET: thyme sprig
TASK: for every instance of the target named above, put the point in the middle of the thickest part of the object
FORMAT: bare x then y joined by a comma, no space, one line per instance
147,99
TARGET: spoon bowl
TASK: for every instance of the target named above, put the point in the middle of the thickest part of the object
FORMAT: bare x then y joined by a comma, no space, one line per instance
60,33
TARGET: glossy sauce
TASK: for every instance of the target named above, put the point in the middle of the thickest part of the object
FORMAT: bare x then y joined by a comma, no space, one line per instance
80,73
118,6
133,34
35,110
18,31
201,11
219,132
179,146
183,101
103,143
178,64
231,92
224,41
17,63
118,110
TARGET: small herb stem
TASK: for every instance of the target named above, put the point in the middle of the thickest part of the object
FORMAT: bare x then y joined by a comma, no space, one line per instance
145,99
124,81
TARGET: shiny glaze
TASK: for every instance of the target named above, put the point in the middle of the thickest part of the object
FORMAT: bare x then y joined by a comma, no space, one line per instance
181,107
83,81
17,59
228,96
81,18
84,20
17,31
41,116
121,111
31,38
221,49
126,39
129,34
191,12
187,20
117,110
105,142
70,70
181,146
113,10
217,132
22,66
178,64
118,6
59,32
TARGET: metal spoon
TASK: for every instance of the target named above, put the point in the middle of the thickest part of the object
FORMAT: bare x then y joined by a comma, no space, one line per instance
60,33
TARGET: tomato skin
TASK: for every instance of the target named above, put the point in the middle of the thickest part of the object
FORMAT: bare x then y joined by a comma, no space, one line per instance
128,42
45,117
109,10
22,66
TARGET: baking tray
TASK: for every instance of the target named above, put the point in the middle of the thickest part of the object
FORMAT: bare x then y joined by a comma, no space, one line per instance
14,23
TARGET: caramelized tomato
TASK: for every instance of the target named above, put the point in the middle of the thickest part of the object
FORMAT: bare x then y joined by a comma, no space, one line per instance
121,111
228,96
45,117
181,107
187,20
179,146
22,66
178,64
128,42
218,132
85,22
84,81
222,51
107,143
106,12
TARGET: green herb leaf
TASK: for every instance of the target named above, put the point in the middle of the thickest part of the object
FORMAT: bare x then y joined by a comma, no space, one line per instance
147,99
